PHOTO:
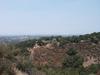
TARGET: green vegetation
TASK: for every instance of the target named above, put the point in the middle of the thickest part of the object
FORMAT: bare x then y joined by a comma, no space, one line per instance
73,61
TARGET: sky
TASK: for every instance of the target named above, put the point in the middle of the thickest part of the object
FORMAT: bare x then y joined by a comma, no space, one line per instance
49,17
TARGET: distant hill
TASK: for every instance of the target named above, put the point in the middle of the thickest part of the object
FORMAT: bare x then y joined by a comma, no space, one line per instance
16,39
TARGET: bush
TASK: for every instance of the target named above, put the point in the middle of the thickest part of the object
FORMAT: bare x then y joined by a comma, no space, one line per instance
73,60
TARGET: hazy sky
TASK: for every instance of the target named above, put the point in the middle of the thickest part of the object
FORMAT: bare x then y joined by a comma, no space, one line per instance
34,17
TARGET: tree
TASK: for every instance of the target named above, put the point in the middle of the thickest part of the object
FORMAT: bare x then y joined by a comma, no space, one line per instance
73,60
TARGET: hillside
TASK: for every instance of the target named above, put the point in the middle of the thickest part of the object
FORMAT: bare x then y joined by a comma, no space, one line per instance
46,55
52,50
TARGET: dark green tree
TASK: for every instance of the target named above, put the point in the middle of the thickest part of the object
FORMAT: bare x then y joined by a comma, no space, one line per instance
73,60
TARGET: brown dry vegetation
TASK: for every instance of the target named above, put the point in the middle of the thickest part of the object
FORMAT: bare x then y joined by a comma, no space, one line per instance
49,54
54,56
